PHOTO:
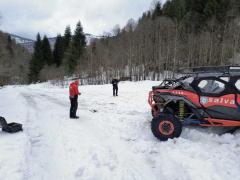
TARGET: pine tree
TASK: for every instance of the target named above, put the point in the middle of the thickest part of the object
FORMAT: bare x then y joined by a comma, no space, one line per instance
33,75
46,51
168,9
236,5
157,11
9,45
79,40
58,51
222,9
175,9
210,9
148,15
72,59
180,9
36,63
196,5
76,49
67,37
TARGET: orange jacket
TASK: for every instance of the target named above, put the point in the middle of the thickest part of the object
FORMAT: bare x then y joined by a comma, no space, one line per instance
73,89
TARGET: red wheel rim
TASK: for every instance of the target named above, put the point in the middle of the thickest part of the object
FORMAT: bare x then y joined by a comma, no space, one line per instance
166,127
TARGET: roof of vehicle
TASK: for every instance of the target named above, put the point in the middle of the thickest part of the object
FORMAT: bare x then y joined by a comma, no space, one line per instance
212,71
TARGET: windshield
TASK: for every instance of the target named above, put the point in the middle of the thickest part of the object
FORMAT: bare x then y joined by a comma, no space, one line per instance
188,80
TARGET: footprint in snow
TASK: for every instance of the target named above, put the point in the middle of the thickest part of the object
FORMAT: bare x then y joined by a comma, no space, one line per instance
79,172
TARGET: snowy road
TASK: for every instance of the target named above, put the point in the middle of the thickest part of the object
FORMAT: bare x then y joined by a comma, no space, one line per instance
111,140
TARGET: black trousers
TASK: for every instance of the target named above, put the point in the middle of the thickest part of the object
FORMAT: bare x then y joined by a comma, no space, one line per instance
115,90
74,106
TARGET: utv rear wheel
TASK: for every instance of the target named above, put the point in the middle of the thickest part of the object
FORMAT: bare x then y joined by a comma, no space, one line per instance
166,126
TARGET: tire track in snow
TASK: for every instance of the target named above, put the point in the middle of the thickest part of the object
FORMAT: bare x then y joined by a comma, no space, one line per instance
106,156
31,133
41,151
60,136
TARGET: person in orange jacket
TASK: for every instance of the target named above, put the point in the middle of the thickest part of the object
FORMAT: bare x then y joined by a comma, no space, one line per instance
73,95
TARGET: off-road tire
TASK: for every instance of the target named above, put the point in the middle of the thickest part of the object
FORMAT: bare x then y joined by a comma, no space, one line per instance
166,126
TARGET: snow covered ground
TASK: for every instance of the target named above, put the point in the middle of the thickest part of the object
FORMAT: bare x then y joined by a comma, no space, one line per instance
114,143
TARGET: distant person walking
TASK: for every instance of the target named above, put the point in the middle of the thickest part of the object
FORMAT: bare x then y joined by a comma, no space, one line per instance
73,95
115,86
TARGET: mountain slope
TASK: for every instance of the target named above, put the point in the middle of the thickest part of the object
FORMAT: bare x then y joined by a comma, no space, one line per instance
14,61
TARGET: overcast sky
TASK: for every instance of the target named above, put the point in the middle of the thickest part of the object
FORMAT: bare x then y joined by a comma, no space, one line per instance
50,17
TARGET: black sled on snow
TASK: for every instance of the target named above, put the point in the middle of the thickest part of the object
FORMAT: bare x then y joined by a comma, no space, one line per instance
10,127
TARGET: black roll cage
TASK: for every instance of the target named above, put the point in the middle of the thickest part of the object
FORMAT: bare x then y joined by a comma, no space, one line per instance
209,72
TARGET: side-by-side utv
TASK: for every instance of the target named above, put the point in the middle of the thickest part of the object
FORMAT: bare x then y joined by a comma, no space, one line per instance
204,96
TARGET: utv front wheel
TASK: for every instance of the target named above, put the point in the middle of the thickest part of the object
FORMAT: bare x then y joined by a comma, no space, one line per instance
166,126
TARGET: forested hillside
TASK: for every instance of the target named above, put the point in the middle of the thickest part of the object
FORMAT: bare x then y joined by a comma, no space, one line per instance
14,61
66,56
181,33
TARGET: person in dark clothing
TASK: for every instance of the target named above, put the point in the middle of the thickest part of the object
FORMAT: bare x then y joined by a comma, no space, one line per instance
115,86
73,96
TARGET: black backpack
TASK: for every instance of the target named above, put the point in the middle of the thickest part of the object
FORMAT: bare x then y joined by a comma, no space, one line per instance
11,127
